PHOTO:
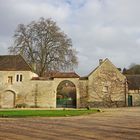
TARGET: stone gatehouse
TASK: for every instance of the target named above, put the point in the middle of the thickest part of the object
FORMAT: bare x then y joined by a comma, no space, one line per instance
105,86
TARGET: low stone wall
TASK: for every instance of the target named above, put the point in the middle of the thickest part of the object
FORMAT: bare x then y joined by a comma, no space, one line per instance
115,104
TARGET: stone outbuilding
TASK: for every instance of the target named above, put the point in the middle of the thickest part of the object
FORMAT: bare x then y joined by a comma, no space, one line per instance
133,90
105,86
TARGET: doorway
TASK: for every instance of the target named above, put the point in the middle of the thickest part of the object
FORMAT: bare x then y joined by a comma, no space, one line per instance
66,95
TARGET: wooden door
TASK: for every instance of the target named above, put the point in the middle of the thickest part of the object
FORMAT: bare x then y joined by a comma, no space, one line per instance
7,99
130,100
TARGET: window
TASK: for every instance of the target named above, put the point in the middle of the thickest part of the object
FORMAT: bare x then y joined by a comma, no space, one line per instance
105,89
10,80
19,78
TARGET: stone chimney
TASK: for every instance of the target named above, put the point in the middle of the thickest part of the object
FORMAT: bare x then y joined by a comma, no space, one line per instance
100,61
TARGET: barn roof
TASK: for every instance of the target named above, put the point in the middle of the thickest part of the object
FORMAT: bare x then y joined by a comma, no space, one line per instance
13,63
133,82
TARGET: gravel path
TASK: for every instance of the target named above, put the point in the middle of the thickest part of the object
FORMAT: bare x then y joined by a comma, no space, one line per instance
113,124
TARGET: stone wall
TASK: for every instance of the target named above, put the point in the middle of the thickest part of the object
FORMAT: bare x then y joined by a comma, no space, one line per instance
30,92
106,86
33,93
37,93
83,88
135,97
26,76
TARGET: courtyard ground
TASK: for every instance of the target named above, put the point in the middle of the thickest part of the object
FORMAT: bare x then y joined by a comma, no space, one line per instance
113,124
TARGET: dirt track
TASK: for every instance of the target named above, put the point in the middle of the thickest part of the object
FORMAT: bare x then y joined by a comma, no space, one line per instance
123,123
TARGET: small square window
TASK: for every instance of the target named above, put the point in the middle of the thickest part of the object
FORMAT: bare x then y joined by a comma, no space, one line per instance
105,89
10,80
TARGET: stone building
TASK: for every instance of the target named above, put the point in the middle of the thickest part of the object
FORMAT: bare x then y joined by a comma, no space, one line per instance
106,86
133,90
20,87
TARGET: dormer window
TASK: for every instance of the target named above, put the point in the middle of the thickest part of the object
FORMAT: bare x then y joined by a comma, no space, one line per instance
19,78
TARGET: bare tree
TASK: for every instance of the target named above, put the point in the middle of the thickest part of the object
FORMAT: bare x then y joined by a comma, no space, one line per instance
43,44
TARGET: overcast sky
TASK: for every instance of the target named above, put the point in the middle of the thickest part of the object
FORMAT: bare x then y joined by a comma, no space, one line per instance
98,28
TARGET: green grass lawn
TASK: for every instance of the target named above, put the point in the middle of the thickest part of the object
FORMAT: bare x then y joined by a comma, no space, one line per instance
45,113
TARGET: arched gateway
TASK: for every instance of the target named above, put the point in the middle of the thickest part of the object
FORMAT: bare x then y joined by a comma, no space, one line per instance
66,95
8,99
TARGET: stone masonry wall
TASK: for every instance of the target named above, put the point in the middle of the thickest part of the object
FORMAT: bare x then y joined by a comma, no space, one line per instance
36,93
135,97
83,87
30,92
106,86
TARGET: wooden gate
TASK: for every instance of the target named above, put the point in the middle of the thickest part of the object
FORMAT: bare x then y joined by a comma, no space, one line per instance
66,95
66,103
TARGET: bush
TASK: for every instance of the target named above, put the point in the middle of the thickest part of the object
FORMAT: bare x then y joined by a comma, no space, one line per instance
34,106
88,107
23,105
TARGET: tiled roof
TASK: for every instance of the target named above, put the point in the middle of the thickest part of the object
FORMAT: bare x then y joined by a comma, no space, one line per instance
84,78
13,63
50,74
53,75
65,75
133,82
41,78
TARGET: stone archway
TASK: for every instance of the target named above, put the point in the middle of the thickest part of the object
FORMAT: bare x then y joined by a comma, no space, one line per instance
66,95
8,99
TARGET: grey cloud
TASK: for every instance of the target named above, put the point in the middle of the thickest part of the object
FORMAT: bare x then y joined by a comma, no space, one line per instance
98,28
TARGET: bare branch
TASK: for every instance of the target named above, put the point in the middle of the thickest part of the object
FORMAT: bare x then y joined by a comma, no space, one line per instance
42,42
